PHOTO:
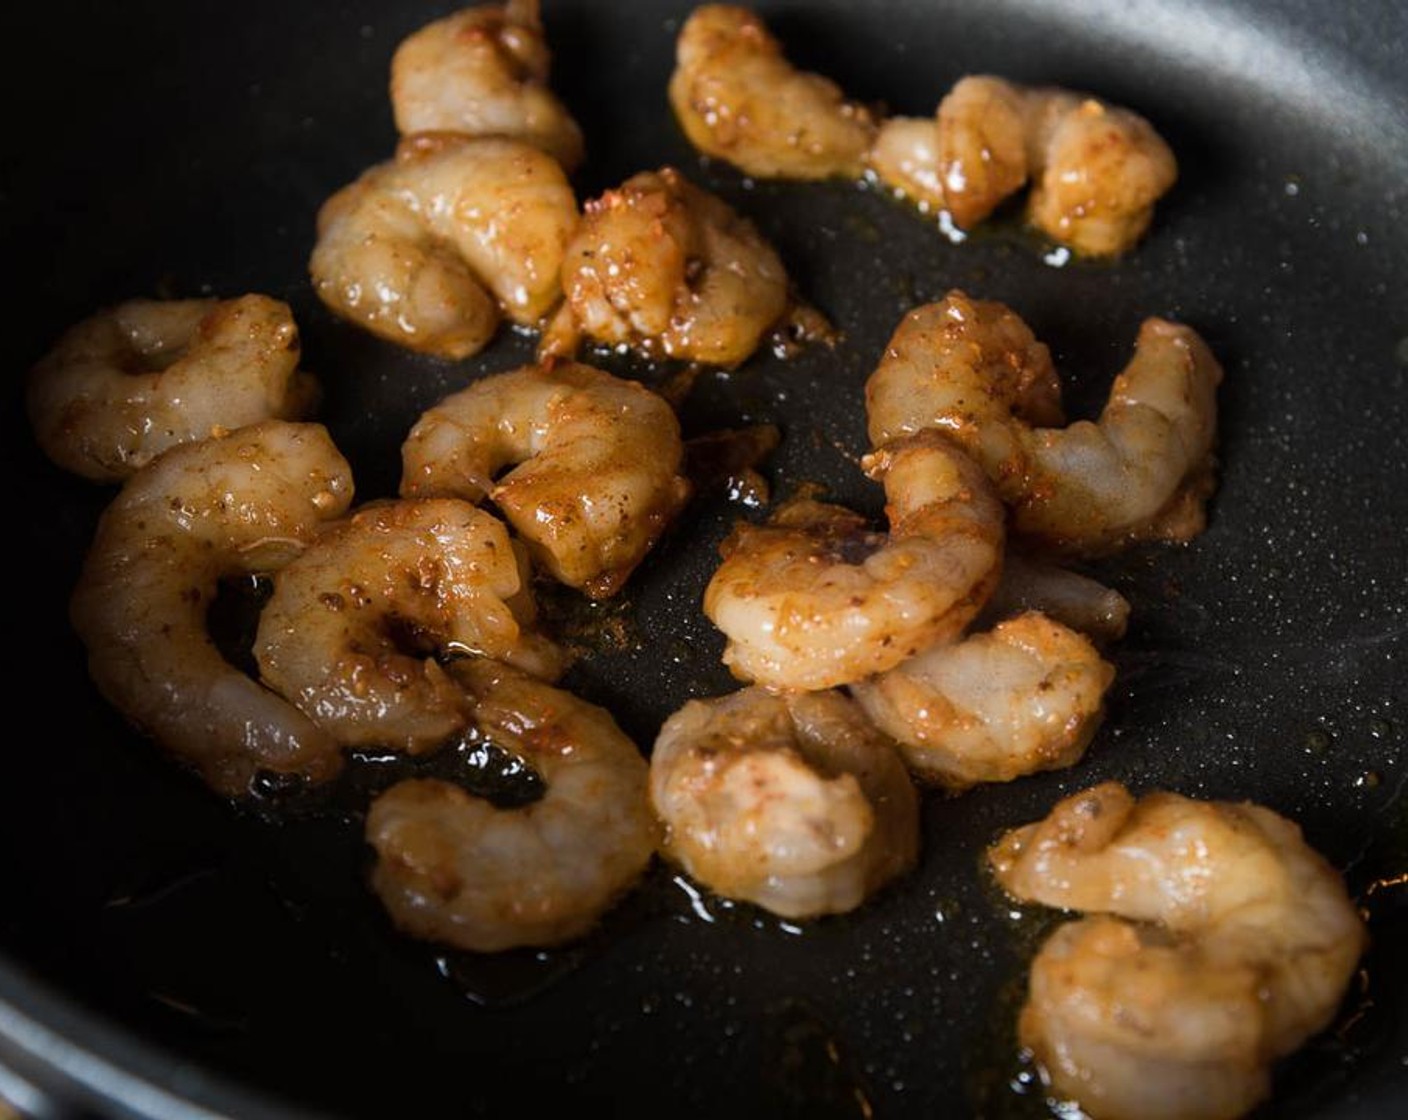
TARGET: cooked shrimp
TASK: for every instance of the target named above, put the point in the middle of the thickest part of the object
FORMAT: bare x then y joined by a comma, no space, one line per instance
355,627
235,505
597,475
792,801
122,386
1143,472
483,71
426,250
1022,697
453,868
1084,604
814,599
738,98
670,270
1249,942
1096,170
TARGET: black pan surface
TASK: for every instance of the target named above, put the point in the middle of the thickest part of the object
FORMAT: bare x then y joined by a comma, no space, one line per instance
164,951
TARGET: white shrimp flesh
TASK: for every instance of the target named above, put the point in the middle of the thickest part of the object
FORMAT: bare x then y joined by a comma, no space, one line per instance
232,506
595,461
790,801
125,384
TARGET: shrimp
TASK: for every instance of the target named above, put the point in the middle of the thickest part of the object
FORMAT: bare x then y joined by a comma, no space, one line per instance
125,384
1096,170
1025,696
233,505
1143,472
1224,942
1070,598
483,71
598,460
354,627
738,98
453,868
790,801
670,270
814,599
429,248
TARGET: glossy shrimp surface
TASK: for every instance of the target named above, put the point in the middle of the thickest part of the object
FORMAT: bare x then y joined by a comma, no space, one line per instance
596,465
1222,942
738,98
125,384
1096,170
227,507
1022,697
814,598
1071,598
1143,471
429,249
790,801
454,868
357,626
668,269
483,71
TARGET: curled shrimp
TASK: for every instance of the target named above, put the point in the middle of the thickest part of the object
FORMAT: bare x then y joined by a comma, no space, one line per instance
122,386
483,71
1223,943
355,627
1096,170
738,98
237,505
790,801
596,465
668,269
429,248
1142,472
813,598
1025,696
453,868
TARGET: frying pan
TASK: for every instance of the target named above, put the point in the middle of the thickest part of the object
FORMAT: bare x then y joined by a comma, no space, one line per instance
165,953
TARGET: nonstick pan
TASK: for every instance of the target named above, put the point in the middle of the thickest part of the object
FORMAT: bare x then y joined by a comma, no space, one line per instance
165,953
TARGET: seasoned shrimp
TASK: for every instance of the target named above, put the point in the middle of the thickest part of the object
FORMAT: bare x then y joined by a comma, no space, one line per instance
1143,472
1084,604
354,627
814,599
483,71
792,801
453,868
122,386
230,506
1022,697
1096,170
597,476
1245,943
668,269
426,250
738,98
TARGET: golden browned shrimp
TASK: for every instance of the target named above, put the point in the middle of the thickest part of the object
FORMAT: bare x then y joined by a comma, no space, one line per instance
428,249
670,270
790,801
814,599
454,868
1229,943
483,71
1022,697
1096,170
1143,472
738,98
354,627
230,506
596,461
125,384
